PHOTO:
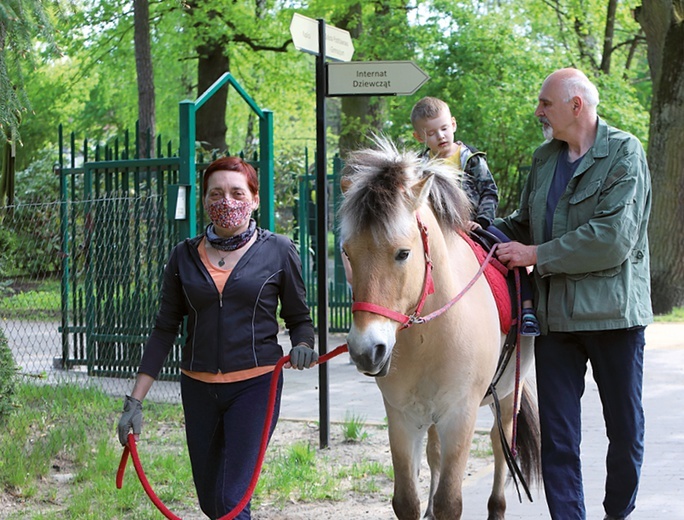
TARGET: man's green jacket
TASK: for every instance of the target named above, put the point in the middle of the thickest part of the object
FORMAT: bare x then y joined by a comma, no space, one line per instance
593,274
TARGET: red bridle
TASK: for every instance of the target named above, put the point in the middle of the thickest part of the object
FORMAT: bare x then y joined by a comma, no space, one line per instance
428,288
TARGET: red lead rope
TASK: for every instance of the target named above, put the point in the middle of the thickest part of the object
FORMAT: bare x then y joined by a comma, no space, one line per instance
131,448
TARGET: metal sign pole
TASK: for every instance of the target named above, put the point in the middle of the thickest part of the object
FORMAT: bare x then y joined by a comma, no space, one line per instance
322,236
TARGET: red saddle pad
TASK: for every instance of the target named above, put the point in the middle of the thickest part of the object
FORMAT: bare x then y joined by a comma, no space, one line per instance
495,272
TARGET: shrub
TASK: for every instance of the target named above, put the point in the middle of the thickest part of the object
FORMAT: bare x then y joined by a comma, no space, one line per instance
8,371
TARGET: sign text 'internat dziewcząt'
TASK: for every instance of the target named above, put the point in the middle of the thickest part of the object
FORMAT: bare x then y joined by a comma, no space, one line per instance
374,78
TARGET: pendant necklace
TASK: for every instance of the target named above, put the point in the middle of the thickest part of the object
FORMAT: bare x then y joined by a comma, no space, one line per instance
221,261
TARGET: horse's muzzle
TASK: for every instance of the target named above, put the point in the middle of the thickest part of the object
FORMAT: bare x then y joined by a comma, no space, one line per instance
373,362
370,348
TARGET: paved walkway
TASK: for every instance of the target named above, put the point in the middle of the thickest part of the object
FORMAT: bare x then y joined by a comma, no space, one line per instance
662,486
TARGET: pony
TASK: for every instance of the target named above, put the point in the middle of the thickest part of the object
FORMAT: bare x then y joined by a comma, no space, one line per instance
402,225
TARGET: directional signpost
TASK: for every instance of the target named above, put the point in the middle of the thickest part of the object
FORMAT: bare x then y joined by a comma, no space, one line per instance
304,32
325,42
374,78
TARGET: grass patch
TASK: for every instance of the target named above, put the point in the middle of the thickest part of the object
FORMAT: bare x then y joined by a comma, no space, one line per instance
34,301
481,446
676,316
59,453
353,428
296,473
363,477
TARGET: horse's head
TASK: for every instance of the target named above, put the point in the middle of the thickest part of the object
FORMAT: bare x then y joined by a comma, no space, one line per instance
384,190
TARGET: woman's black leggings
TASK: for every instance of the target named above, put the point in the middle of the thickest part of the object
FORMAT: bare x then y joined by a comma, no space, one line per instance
223,426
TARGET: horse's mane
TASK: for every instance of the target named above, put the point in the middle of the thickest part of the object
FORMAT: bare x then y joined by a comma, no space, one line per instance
378,192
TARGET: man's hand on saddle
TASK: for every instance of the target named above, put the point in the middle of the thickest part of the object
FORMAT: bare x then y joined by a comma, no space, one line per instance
515,254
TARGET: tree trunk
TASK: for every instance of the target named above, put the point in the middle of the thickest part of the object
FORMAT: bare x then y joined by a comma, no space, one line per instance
252,138
211,117
608,37
360,118
360,114
145,73
6,173
664,31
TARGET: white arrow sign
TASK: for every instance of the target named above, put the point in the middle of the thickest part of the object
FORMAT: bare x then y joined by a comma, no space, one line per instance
338,42
374,78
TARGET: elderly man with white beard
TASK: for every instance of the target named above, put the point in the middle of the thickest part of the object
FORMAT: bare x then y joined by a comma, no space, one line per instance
582,223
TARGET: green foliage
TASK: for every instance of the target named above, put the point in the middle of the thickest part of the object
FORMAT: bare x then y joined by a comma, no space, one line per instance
8,372
488,62
38,183
31,232
56,98
486,59
619,98
676,316
20,22
486,66
7,248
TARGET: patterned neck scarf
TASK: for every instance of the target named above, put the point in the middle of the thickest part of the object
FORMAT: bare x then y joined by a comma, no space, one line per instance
230,243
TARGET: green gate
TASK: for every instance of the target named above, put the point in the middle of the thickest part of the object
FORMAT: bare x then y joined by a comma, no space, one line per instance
120,217
115,240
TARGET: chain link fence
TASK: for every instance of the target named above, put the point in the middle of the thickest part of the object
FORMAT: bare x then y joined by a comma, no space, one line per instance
86,326
75,313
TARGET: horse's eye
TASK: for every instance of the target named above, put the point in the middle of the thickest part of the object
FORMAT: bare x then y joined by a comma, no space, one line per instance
402,255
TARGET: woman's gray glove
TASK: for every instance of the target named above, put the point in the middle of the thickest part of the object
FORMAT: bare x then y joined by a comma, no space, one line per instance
131,418
302,356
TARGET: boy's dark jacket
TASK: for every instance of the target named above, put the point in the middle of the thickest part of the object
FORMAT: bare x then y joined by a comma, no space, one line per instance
478,183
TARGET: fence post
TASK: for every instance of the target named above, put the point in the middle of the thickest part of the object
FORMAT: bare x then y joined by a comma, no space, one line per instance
186,170
89,278
64,233
266,173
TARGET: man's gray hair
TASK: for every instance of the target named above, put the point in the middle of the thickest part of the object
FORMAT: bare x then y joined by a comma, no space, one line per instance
579,85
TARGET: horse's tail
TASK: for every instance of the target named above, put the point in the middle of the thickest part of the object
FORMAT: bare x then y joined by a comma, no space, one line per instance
529,437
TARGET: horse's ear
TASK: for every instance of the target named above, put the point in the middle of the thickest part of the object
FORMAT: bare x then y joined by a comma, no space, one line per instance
421,189
345,183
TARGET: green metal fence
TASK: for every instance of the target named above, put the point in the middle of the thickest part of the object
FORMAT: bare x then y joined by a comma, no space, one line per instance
116,237
339,295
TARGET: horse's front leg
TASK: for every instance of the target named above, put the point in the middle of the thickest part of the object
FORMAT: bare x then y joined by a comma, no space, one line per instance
405,444
434,458
455,439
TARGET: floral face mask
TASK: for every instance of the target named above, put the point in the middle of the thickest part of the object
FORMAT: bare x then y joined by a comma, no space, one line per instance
230,213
